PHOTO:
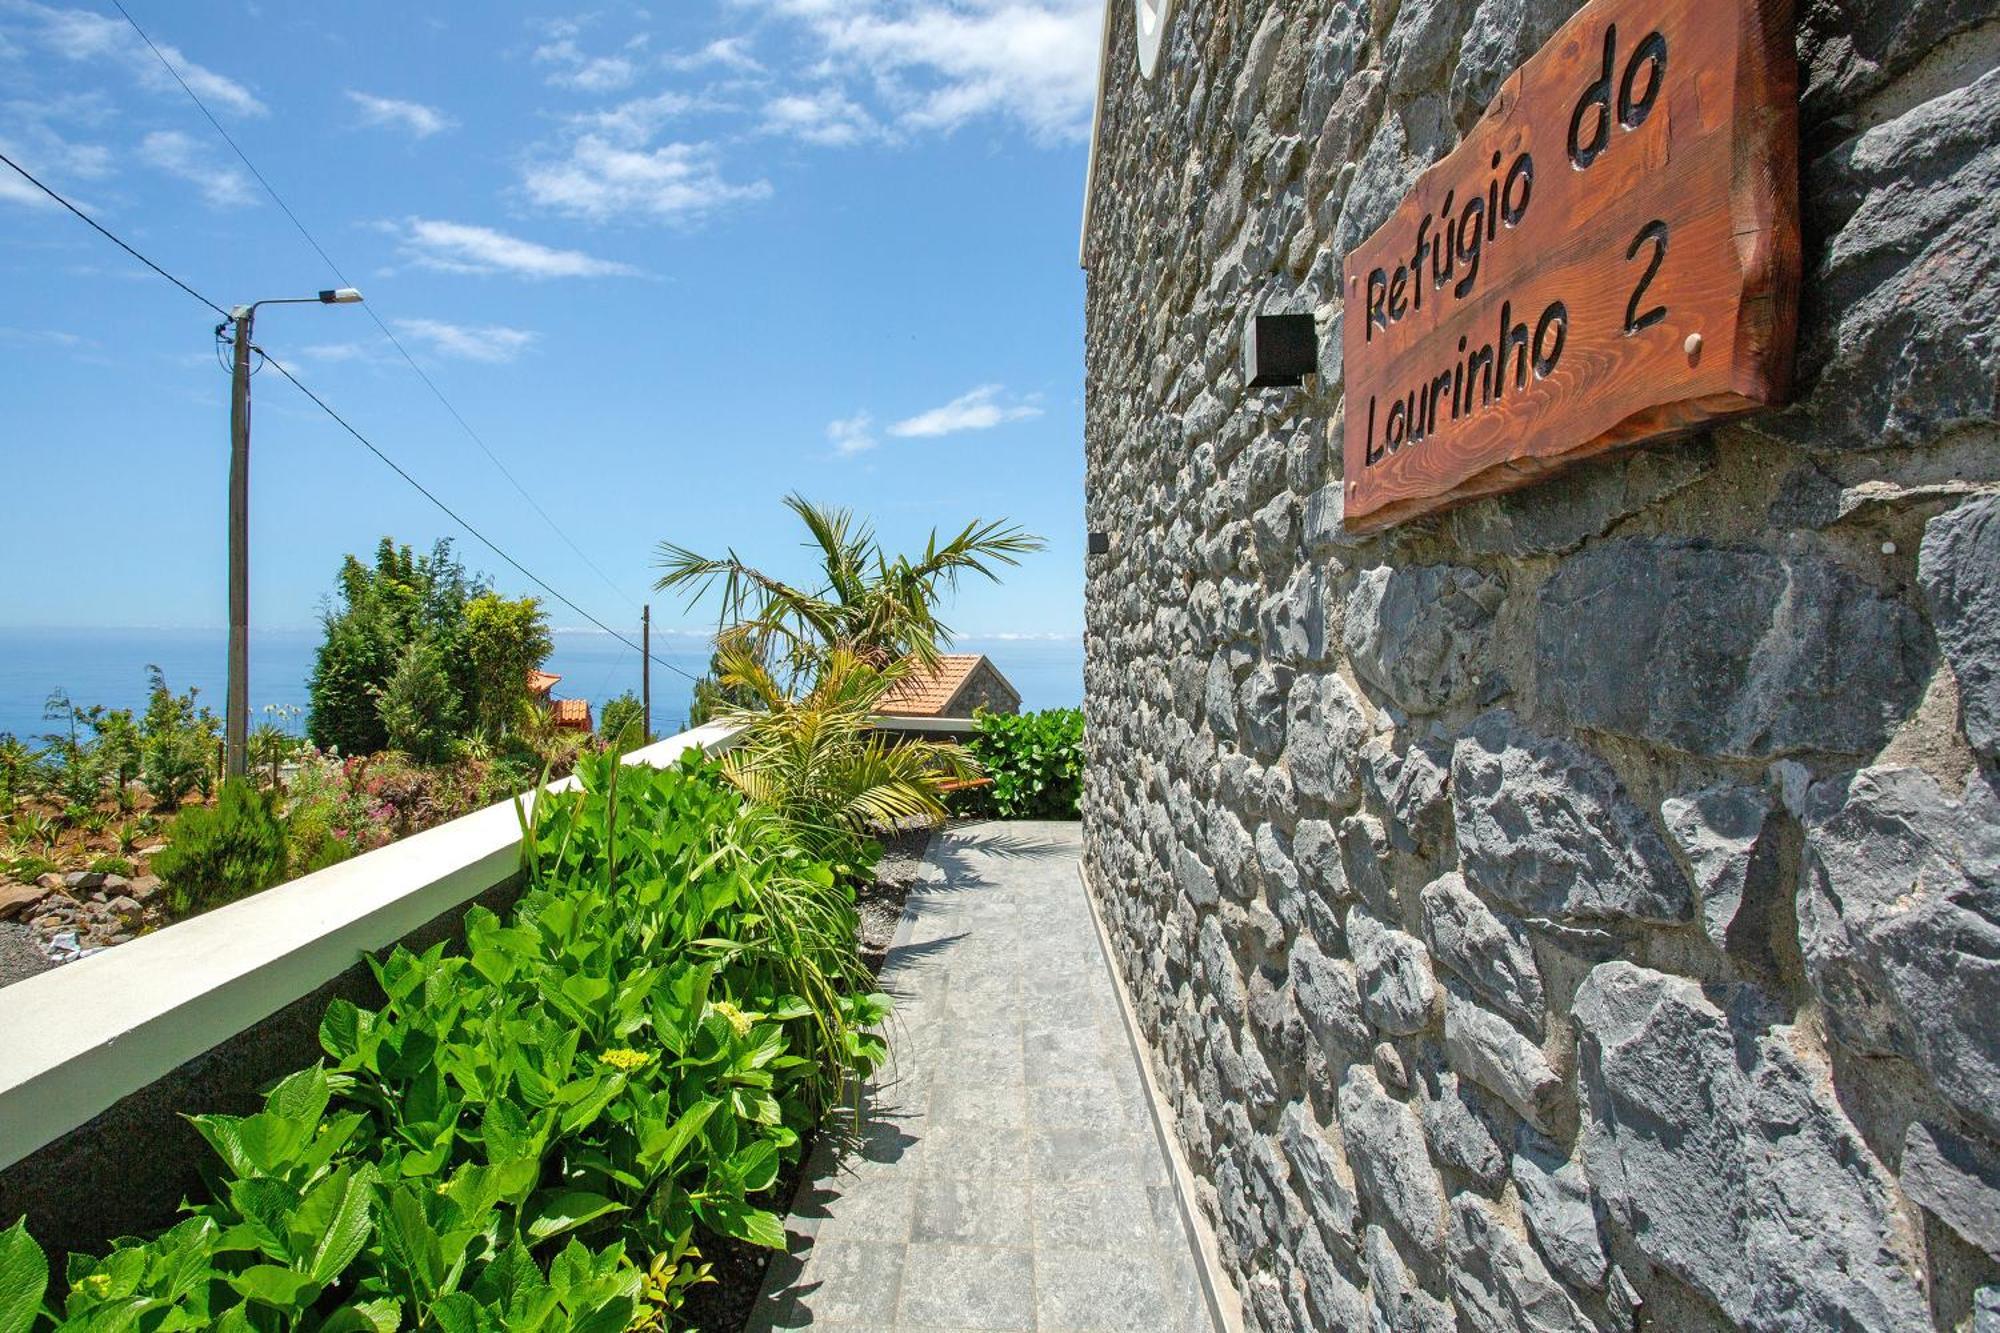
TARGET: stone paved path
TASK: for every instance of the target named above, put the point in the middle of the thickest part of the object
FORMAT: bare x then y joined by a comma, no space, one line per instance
1005,1173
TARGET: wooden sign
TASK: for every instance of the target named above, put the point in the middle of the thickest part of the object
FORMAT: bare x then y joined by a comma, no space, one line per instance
1611,254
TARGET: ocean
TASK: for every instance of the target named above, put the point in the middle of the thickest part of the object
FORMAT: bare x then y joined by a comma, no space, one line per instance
108,666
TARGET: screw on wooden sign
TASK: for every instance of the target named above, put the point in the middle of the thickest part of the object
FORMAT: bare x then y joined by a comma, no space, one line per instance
1612,254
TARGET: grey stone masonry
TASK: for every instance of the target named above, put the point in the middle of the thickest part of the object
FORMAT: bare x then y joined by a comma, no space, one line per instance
1578,910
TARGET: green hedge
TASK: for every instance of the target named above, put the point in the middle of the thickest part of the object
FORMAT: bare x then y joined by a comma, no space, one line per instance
531,1131
1035,761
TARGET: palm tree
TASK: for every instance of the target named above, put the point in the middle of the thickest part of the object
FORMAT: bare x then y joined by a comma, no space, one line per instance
878,608
815,759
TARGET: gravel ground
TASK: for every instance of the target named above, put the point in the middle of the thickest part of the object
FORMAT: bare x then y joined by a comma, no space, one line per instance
20,954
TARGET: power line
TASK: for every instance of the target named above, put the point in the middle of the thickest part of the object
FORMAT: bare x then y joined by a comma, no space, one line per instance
393,466
25,175
394,341
455,517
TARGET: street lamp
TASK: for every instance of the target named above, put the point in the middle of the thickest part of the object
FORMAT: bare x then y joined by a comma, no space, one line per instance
236,710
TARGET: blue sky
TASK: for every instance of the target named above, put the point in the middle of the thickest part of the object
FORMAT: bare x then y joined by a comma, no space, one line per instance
670,264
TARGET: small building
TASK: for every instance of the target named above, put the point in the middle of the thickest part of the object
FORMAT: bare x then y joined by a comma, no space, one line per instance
955,687
570,714
566,714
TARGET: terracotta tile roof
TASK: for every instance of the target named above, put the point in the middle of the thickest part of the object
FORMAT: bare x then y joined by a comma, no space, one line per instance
573,713
927,693
541,682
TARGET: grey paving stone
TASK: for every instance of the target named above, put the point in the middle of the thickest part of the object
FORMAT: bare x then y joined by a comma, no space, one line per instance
1058,1055
994,1104
1092,1100
1073,1154
975,1150
1005,1172
1097,1216
1102,1289
969,1286
875,1209
970,1210
852,1281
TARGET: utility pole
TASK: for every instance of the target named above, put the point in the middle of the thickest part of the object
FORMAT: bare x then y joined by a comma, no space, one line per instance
236,702
236,710
646,670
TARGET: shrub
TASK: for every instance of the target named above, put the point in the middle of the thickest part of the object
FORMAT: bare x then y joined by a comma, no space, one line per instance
485,645
1035,761
112,865
223,852
503,641
19,770
30,868
622,723
176,743
529,1133
418,706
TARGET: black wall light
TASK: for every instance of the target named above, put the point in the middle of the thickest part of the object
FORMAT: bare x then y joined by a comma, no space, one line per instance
1100,543
1279,351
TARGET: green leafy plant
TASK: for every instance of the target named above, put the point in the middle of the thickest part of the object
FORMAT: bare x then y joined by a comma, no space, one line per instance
531,1133
111,865
223,852
38,830
1035,761
75,765
30,868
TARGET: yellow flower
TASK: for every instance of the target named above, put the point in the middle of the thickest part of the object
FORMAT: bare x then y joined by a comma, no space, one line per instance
739,1022
626,1060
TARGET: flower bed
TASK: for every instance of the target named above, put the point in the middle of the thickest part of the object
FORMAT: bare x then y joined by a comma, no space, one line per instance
536,1130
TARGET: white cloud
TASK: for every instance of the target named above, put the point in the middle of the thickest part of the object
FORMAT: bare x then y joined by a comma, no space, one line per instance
458,247
852,435
827,117
977,410
492,342
80,35
942,63
416,118
49,156
598,179
44,338
223,186
634,123
588,74
330,353
728,52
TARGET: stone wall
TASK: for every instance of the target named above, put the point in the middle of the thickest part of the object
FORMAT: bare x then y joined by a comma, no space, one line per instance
1582,909
986,688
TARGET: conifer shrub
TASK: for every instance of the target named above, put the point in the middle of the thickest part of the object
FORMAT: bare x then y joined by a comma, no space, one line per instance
223,852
